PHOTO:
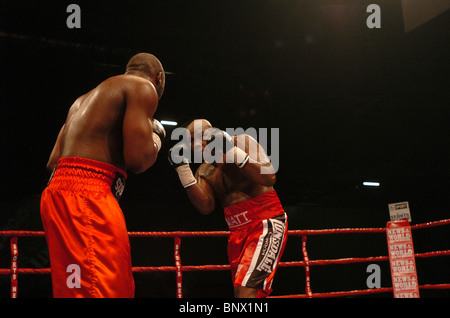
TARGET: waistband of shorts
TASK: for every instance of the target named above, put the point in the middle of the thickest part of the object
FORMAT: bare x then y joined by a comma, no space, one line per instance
261,207
80,174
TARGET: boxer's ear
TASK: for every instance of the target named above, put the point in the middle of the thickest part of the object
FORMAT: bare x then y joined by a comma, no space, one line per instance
159,78
160,83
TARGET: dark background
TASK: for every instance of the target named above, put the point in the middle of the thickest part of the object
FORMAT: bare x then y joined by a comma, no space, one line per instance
352,104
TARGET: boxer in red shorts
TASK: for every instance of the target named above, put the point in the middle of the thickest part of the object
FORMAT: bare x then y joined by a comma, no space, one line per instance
253,212
108,131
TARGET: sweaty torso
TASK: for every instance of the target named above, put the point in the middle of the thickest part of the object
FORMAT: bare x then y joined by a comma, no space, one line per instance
93,128
230,185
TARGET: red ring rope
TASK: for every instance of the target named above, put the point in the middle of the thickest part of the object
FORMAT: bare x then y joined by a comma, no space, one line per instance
178,268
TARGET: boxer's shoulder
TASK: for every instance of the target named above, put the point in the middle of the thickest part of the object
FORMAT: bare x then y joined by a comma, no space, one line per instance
126,81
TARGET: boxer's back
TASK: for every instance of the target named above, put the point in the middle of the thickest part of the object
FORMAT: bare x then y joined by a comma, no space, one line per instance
93,127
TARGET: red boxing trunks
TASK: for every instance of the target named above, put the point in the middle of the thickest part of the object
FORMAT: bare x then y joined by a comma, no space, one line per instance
258,235
85,230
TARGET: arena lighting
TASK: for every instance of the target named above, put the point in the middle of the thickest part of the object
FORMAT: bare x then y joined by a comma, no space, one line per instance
371,184
169,123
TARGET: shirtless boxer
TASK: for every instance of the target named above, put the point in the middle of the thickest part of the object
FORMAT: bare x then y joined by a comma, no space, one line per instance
242,180
108,132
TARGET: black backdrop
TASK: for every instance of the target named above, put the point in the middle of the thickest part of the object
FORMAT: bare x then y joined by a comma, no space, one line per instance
351,104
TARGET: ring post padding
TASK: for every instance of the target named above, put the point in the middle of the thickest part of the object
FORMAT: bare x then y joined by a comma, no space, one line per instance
178,266
14,256
401,259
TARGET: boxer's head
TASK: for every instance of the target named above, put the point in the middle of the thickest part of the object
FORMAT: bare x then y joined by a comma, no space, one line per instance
197,131
148,66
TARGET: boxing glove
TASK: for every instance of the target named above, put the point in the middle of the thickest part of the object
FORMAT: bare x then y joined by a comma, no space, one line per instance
220,137
159,133
228,149
177,155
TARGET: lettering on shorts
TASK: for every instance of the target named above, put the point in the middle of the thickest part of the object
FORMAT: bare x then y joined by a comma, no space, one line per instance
237,219
118,186
271,247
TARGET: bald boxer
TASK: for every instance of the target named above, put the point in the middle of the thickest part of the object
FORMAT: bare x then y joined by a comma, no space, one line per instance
241,178
108,132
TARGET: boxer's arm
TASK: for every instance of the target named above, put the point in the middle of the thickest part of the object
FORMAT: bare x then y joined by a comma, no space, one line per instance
139,150
199,192
252,170
56,152
201,195
258,168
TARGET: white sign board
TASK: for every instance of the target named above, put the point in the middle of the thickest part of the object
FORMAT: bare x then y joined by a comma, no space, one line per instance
399,211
